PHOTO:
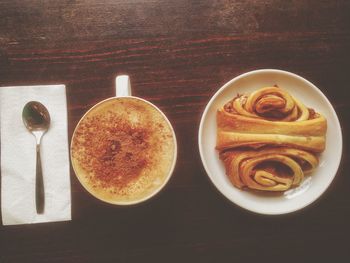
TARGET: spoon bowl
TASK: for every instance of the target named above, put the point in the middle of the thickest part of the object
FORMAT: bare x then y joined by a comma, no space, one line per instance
36,117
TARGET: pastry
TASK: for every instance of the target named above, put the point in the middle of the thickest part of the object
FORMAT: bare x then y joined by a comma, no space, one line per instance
268,139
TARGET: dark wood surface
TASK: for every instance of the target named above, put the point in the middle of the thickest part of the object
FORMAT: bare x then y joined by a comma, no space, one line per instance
178,53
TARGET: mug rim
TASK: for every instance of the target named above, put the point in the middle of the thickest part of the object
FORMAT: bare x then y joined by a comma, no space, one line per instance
168,176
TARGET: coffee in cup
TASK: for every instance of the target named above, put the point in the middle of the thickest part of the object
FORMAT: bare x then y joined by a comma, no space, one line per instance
124,149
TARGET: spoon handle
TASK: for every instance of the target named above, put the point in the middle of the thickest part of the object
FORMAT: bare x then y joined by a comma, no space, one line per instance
39,184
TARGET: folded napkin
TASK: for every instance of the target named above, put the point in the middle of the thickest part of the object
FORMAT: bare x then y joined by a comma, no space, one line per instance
18,157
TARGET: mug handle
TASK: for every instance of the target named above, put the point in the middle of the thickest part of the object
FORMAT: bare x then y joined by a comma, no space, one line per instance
122,86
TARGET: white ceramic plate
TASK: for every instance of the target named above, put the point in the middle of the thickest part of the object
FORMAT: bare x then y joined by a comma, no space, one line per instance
314,185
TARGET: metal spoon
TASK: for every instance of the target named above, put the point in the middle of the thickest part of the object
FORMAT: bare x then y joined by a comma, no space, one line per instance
37,120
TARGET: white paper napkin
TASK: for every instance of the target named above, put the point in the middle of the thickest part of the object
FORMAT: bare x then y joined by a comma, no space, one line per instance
18,157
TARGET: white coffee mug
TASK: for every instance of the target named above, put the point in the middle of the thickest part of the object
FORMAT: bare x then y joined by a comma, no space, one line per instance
123,90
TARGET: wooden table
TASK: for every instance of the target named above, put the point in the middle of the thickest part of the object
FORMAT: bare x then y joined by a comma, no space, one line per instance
178,53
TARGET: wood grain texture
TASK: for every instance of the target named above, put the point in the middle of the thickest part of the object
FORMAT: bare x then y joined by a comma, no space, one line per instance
178,53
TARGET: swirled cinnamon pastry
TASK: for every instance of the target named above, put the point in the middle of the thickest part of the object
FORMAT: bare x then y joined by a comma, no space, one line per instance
268,139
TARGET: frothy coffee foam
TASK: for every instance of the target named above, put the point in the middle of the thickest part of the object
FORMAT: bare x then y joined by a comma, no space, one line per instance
123,150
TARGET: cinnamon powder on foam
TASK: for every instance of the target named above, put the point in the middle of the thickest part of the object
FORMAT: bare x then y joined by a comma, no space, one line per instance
115,151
